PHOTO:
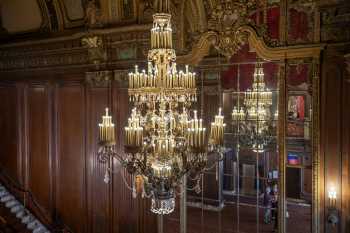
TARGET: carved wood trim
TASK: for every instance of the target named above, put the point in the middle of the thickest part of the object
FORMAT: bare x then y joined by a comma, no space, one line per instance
316,167
200,50
257,43
280,53
281,131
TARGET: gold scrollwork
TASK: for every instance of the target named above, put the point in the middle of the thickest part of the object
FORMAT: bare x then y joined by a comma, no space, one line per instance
257,43
226,19
96,50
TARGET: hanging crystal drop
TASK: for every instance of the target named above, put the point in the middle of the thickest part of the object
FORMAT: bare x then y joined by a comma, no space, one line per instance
143,191
106,178
197,188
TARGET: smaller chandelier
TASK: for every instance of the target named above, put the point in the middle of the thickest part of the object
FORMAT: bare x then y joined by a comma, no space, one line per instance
106,137
253,119
217,130
259,95
134,132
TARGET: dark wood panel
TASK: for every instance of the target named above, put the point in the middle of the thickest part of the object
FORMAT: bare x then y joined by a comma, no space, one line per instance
124,206
70,161
332,127
335,142
9,156
39,161
346,151
99,211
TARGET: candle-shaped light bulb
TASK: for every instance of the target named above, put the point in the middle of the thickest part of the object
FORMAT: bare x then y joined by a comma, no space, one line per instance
332,193
332,196
149,67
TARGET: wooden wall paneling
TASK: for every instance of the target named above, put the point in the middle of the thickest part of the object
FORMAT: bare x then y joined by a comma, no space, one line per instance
9,132
129,214
146,220
70,163
331,133
345,152
98,191
322,179
22,146
38,139
124,205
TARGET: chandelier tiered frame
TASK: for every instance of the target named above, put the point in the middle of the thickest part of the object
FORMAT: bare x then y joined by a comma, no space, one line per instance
254,122
164,138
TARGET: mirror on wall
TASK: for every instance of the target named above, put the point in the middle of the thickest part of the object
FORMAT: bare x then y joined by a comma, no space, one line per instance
299,148
240,193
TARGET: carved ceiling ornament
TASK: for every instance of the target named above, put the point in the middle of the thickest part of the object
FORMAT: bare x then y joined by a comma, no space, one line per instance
96,50
226,19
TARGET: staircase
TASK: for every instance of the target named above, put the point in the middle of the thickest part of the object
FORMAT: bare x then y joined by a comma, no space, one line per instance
26,222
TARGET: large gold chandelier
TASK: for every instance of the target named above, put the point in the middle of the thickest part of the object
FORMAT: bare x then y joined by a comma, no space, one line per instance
164,138
253,121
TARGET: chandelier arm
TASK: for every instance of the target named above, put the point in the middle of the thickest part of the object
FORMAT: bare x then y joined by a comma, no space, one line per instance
212,166
110,170
141,164
118,157
180,193
209,168
145,194
195,186
125,181
196,178
102,158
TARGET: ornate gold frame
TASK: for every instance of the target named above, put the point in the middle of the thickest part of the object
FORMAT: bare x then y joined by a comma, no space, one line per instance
280,55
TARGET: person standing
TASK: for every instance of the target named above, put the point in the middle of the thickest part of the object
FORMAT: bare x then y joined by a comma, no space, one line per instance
267,201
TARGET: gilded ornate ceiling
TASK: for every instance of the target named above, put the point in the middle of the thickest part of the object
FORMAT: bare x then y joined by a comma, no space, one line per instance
60,26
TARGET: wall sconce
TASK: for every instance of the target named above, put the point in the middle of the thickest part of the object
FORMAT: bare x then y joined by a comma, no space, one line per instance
333,217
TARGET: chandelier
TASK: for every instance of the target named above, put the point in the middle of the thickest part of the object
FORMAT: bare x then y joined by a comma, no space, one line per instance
164,138
253,122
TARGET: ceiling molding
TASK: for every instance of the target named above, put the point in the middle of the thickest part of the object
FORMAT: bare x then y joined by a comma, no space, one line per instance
68,22
124,29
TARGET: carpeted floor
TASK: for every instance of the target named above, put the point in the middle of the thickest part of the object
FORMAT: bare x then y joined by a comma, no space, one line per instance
227,220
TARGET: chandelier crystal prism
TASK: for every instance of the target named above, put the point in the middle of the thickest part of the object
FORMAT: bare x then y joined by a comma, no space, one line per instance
164,138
